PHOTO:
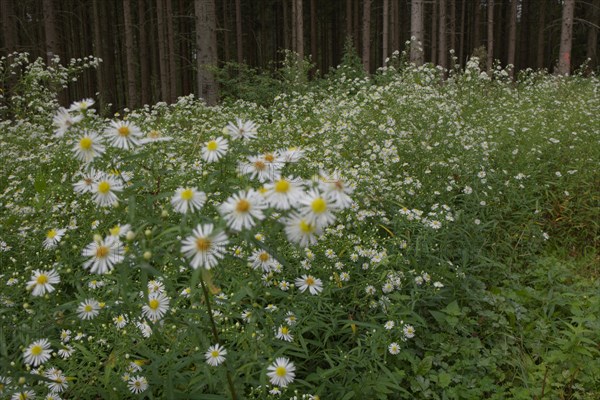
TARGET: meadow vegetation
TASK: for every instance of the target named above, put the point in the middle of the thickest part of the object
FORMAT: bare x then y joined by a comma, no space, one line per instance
398,236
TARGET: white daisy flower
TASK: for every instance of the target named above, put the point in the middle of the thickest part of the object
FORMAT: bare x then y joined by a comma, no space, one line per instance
87,181
88,147
59,381
105,254
23,395
41,282
123,134
66,352
241,210
241,129
37,352
188,199
104,188
409,331
281,372
137,384
53,236
155,136
262,259
394,348
283,333
120,231
82,105
145,329
204,247
214,149
120,321
284,193
314,285
62,120
157,307
300,230
155,286
215,355
88,309
257,168
291,155
334,187
317,208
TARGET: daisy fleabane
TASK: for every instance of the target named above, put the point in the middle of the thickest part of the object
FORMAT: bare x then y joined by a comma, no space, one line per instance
62,120
300,230
41,282
263,260
137,384
334,186
53,236
214,149
104,188
188,199
258,168
283,193
241,129
394,348
283,333
314,285
123,134
88,146
37,352
241,210
82,105
281,372
104,255
317,208
88,309
204,247
86,183
155,136
157,306
215,355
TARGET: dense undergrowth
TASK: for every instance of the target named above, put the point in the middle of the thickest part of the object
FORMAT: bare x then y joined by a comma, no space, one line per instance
465,267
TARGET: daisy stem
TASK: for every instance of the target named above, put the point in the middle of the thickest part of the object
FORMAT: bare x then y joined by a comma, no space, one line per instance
215,334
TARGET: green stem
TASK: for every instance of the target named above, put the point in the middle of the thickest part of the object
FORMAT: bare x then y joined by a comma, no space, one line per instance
215,334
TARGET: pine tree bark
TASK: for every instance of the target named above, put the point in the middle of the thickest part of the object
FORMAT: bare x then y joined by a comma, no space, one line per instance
348,18
512,36
435,19
313,32
443,28
300,29
566,38
592,39
51,31
206,49
476,25
132,101
366,36
416,32
144,60
163,51
9,25
173,72
453,25
541,35
386,31
239,34
463,30
394,26
490,36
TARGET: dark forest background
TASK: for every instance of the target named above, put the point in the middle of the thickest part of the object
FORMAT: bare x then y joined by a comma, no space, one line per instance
157,50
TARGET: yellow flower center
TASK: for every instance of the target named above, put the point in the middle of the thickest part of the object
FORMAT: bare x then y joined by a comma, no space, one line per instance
115,230
281,371
212,145
124,131
269,157
202,244
42,279
260,165
102,251
310,281
85,143
306,227
88,308
319,205
187,194
51,234
36,350
214,354
104,187
153,304
284,330
264,257
282,186
243,206
154,134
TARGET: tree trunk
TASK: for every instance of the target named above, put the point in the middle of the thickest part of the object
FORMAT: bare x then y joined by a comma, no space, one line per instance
239,34
541,35
163,52
348,18
477,25
443,46
9,25
206,49
453,25
51,32
300,29
416,32
566,38
512,36
592,39
461,46
435,19
490,36
386,31
394,26
144,60
366,36
132,101
173,72
313,32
